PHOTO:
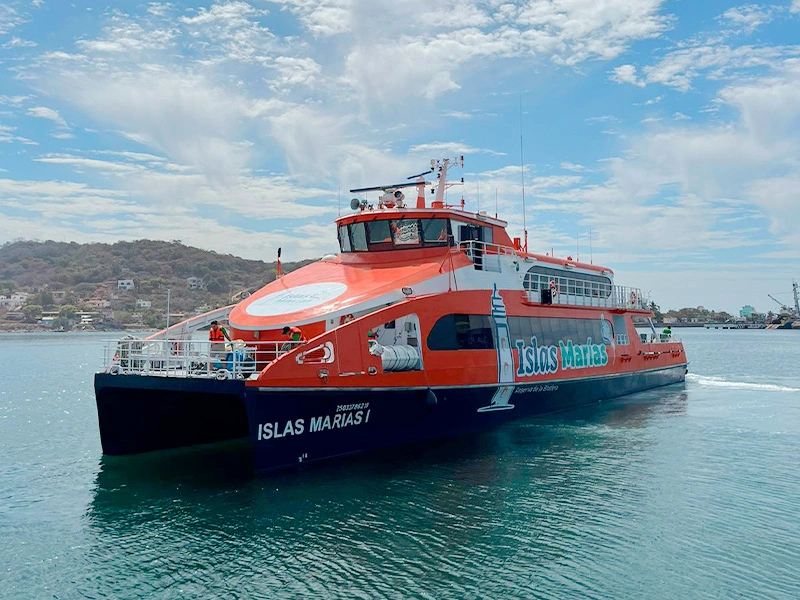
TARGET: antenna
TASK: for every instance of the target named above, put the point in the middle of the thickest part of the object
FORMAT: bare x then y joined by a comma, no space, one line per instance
495,203
522,174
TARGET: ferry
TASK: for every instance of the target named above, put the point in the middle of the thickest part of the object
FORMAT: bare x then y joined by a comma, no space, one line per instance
431,321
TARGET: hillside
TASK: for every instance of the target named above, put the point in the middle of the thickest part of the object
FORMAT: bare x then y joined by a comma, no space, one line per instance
85,276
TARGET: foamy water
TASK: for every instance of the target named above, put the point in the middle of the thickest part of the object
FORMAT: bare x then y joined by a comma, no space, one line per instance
723,382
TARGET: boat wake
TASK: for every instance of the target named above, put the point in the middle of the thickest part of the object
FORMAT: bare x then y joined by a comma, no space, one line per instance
711,381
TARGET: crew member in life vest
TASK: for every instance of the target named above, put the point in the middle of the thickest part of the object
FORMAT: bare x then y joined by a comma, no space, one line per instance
217,336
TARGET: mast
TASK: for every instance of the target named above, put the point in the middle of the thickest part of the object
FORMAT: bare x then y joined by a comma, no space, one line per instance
522,176
441,166
796,303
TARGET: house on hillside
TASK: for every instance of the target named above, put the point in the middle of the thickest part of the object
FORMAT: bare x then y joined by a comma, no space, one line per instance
98,303
19,298
143,304
195,283
124,285
14,302
101,291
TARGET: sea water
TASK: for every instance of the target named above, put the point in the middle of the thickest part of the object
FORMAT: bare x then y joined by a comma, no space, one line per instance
689,491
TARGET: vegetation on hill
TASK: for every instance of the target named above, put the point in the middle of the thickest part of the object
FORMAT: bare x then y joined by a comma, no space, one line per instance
58,275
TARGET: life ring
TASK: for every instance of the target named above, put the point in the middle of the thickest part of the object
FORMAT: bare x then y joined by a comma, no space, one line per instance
634,298
553,288
222,374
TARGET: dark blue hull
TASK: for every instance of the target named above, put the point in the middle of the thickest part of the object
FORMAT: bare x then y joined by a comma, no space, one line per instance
293,426
288,427
141,414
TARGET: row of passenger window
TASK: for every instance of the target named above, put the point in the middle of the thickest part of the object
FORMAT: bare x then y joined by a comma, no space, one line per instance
476,332
394,234
575,284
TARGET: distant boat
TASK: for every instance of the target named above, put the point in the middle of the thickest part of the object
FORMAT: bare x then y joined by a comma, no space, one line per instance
789,318
725,325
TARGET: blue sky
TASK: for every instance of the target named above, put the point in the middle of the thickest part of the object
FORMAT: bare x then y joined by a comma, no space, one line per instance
670,130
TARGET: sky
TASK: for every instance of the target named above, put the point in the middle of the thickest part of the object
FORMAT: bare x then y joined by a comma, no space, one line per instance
660,138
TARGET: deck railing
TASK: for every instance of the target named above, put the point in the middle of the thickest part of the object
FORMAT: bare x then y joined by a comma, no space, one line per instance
190,358
565,290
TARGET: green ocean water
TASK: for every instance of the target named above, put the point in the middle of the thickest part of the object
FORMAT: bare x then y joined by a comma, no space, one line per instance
690,491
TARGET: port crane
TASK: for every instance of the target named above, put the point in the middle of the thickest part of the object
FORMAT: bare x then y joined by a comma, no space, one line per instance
785,308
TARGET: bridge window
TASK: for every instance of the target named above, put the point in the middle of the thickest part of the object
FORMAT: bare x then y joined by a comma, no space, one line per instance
435,232
379,235
394,234
344,239
358,237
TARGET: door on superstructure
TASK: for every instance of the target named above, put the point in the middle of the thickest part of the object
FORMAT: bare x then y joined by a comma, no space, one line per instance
473,233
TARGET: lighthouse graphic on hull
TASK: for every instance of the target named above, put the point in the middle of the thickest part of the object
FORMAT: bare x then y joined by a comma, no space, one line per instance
505,357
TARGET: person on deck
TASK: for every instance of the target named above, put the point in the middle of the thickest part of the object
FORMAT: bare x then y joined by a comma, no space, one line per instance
666,334
294,334
217,336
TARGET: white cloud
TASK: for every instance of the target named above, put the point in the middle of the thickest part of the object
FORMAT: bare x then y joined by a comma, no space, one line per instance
458,114
294,72
679,68
749,17
626,74
450,149
42,112
322,18
9,19
795,8
14,100
6,136
16,42
124,36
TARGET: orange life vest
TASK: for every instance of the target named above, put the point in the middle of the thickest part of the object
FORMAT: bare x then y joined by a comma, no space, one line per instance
215,334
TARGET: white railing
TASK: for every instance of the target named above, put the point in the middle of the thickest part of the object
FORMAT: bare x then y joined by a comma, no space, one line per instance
185,329
190,358
485,256
580,292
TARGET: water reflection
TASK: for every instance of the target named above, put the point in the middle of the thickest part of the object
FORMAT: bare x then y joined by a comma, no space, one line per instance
507,501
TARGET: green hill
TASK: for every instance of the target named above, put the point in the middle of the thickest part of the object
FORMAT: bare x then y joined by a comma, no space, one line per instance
58,274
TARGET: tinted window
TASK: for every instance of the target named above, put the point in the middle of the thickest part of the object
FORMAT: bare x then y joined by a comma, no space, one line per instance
378,232
549,331
358,236
344,239
435,232
462,332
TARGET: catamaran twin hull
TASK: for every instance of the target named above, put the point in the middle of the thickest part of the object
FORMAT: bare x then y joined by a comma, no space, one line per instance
290,427
338,395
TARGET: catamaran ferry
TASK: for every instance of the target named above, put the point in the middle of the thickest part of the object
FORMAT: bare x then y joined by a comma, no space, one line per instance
430,322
